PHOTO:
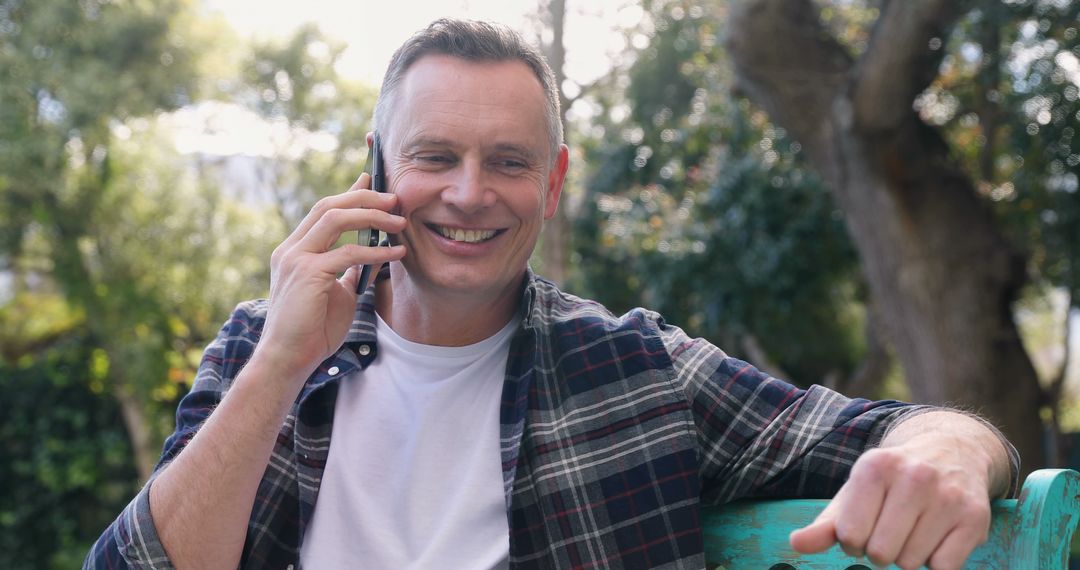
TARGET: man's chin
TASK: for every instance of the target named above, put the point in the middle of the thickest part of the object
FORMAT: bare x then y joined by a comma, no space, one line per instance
473,283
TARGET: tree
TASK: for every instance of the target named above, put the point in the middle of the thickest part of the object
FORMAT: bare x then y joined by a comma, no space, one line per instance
77,70
124,255
553,255
554,247
1007,103
68,467
939,268
700,208
325,118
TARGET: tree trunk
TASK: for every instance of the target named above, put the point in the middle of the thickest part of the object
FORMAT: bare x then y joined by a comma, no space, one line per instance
940,272
553,245
868,377
72,271
139,432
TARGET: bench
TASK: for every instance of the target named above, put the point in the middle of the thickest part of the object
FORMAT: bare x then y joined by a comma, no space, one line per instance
1033,531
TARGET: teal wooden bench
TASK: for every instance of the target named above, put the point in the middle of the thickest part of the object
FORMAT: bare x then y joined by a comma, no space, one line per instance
1032,532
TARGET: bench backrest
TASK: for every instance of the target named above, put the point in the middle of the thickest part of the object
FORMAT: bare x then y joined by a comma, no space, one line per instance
1033,531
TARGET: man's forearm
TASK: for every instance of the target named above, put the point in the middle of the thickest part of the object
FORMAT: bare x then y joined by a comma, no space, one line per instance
202,501
957,433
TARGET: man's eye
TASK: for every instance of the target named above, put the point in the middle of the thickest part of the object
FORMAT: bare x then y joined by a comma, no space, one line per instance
435,158
511,163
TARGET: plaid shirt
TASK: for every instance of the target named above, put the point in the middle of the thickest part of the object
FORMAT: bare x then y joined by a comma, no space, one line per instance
614,431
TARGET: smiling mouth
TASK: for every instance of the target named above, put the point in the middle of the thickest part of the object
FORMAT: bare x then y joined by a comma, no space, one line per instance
464,236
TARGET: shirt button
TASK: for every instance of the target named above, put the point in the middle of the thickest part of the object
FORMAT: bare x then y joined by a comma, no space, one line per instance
364,350
333,370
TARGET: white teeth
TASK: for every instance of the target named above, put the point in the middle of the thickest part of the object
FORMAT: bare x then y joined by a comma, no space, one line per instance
468,236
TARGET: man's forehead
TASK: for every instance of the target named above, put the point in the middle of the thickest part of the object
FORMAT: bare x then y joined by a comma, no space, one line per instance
439,95
451,70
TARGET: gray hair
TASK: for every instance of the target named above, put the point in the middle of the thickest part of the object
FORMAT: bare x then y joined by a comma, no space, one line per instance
472,41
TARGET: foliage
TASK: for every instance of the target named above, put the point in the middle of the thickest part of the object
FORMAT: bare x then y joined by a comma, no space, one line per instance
110,243
123,255
698,207
78,69
1009,100
325,117
67,467
170,255
72,68
160,239
701,209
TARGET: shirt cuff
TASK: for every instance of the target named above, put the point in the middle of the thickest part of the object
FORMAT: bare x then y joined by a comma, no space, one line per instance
137,537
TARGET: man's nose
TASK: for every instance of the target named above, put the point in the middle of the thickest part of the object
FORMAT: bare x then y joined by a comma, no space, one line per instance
470,190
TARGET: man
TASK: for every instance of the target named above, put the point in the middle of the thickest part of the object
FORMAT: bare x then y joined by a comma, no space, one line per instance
466,413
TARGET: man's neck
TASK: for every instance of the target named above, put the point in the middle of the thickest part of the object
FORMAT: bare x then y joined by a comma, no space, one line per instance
444,319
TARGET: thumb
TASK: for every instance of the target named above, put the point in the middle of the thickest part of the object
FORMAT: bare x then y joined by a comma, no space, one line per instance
350,278
817,536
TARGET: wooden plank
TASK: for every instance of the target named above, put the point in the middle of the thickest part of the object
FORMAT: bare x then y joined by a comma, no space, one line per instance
1033,531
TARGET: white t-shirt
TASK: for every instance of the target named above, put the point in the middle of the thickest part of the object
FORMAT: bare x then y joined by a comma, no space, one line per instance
414,474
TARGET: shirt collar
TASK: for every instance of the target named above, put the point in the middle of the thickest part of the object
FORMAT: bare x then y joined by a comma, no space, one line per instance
363,325
538,296
362,331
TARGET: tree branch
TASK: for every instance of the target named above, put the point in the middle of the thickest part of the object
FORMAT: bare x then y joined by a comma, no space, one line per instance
584,90
867,378
1052,394
757,355
989,108
1057,383
903,57
786,62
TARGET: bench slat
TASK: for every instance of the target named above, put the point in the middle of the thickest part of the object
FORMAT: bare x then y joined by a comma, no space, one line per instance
1033,531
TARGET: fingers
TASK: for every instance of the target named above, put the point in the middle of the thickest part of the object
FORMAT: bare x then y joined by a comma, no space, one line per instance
963,524
362,182
350,199
856,517
350,278
325,232
849,518
328,202
924,539
344,257
893,510
903,506
955,549
330,264
819,535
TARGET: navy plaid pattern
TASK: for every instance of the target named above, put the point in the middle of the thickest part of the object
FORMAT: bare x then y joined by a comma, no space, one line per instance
615,430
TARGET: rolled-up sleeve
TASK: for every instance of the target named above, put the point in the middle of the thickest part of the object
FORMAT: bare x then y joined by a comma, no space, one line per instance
760,436
132,541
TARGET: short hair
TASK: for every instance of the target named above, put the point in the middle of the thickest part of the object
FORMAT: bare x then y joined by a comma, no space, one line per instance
472,41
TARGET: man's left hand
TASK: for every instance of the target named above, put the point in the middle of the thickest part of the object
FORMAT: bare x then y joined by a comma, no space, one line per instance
922,499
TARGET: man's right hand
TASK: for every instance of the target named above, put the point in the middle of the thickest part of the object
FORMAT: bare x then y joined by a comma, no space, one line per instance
311,308
202,500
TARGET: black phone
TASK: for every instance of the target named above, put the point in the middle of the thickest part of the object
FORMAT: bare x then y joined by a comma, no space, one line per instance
370,236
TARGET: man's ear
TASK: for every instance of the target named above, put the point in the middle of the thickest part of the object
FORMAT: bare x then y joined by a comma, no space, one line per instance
555,182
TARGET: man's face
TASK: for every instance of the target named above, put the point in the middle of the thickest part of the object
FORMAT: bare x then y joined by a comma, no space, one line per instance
467,153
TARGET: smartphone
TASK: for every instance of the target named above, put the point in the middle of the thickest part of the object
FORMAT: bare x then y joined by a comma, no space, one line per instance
370,236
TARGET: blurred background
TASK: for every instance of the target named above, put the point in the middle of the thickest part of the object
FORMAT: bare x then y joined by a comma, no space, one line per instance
815,188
